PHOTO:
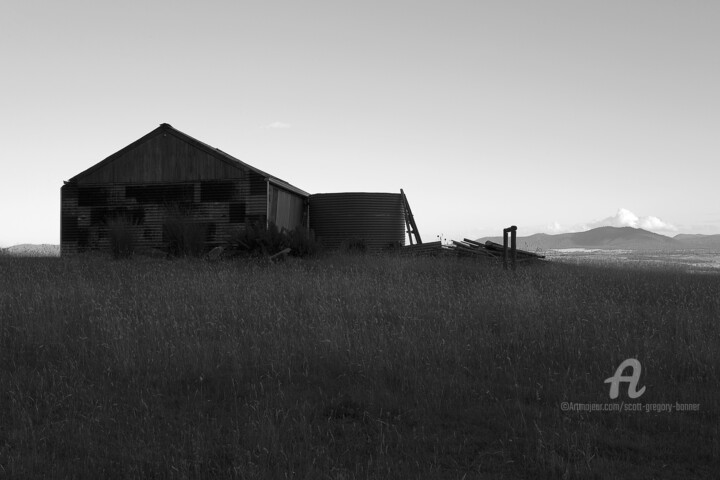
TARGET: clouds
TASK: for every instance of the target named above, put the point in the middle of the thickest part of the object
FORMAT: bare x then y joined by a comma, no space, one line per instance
555,228
626,218
654,224
622,218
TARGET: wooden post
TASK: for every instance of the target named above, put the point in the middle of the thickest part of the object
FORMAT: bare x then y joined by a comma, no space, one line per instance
505,247
513,246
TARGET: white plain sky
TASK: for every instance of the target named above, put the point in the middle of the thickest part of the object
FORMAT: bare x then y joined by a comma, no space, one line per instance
550,115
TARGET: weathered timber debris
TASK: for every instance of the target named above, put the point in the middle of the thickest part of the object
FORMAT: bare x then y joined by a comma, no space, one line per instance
425,249
522,255
280,255
215,253
468,248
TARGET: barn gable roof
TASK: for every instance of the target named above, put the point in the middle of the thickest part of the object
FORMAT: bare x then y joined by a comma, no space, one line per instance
166,128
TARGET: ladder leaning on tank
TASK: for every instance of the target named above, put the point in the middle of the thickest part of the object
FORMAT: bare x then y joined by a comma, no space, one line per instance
412,229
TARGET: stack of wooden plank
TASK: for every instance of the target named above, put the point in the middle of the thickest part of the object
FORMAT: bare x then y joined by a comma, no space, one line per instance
522,255
425,249
468,248
493,249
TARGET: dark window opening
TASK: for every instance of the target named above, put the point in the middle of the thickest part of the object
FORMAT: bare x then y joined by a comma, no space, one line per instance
218,191
237,213
159,194
92,196
101,215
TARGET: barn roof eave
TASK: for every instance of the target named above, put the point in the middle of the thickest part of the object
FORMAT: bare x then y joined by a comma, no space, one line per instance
216,152
287,186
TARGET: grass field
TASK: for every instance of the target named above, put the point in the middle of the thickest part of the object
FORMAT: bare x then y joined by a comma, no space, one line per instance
349,367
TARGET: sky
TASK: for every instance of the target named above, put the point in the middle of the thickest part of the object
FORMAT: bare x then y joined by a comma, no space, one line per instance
554,116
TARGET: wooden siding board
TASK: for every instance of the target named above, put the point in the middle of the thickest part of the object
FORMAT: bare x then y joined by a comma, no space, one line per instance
167,166
163,158
219,163
256,205
84,227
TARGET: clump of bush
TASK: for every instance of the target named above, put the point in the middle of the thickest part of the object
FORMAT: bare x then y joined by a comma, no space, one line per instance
122,236
260,239
353,245
184,236
303,242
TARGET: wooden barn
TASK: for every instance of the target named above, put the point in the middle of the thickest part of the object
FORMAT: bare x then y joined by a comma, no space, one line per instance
167,174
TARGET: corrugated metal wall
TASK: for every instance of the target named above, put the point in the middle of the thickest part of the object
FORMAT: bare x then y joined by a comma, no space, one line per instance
285,209
376,218
220,207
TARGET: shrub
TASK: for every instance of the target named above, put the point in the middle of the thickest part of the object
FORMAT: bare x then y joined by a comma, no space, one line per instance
353,245
259,239
393,247
122,235
184,235
302,242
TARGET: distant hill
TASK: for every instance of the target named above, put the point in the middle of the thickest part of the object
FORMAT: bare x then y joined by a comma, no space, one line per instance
29,250
625,238
699,242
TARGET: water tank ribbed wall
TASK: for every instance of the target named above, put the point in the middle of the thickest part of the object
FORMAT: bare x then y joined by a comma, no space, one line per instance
376,218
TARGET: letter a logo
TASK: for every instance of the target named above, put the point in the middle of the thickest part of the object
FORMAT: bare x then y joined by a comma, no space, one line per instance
633,379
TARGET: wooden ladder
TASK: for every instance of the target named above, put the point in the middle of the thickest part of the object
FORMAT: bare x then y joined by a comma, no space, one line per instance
410,221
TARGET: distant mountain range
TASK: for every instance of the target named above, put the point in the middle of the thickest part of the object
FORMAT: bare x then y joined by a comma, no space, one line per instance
625,238
29,250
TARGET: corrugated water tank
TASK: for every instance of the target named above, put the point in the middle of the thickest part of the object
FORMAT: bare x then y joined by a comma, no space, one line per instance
376,219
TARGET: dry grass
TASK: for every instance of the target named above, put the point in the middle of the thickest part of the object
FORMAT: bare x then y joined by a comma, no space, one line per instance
123,236
350,367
